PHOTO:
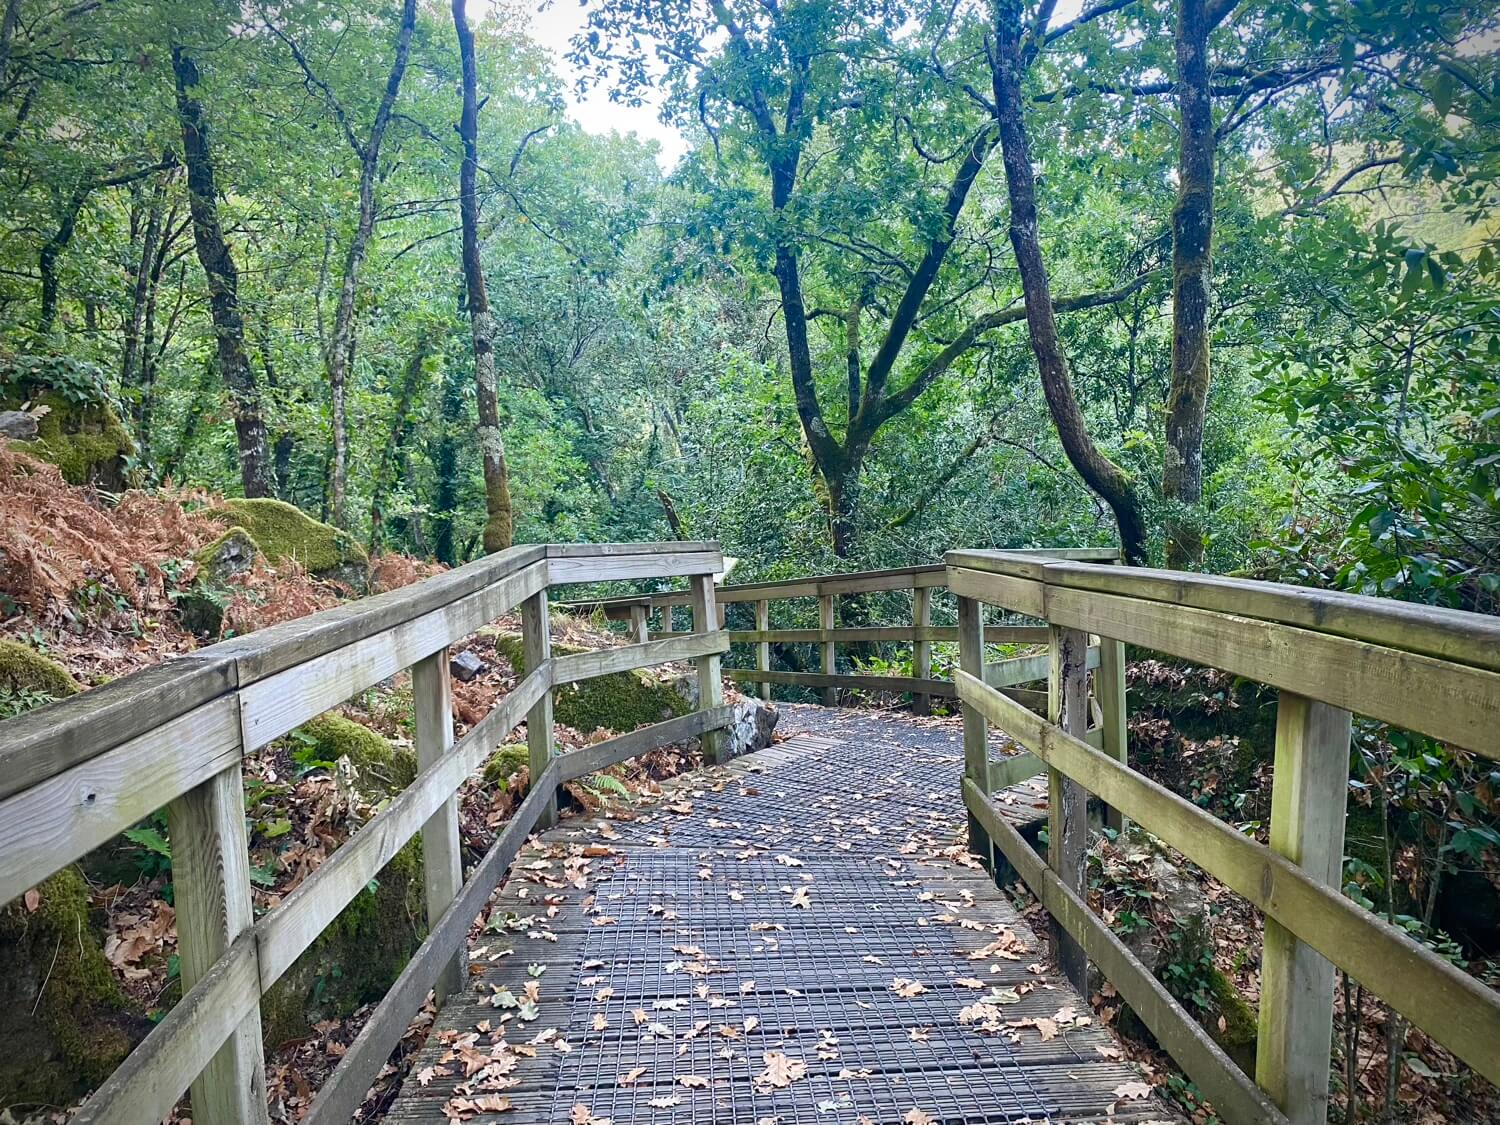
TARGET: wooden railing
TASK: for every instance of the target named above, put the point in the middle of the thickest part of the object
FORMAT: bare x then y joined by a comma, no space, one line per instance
75,774
1427,670
921,634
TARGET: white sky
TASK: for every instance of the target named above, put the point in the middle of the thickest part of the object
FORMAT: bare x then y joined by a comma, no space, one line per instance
553,28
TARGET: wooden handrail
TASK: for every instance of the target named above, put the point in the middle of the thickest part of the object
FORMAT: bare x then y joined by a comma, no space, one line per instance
1422,669
110,765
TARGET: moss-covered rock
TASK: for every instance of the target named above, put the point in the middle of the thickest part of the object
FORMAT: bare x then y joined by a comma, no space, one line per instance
619,702
64,1023
357,957
230,554
86,441
380,768
26,672
1233,1024
285,533
505,763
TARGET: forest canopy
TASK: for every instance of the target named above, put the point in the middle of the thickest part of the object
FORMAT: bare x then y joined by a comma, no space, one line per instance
1213,281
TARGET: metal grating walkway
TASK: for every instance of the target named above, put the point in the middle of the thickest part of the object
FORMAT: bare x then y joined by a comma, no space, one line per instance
797,938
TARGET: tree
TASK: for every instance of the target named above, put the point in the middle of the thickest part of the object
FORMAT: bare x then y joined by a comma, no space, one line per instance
499,528
223,281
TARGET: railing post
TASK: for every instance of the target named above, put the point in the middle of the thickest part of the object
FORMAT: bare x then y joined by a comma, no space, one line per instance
536,650
638,626
211,884
976,729
1309,796
1109,681
830,659
442,865
1067,803
710,684
763,649
921,651
666,619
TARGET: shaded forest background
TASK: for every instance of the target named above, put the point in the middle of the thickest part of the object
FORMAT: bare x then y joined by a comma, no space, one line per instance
812,339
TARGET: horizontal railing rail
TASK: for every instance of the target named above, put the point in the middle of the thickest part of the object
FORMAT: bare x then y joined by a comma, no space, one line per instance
1427,670
75,774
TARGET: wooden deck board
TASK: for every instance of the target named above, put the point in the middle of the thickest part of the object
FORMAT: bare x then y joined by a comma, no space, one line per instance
770,907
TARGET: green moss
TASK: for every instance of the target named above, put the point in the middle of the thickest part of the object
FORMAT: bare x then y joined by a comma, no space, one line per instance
64,1023
282,532
382,767
24,670
504,764
1241,1025
87,442
236,543
357,957
619,702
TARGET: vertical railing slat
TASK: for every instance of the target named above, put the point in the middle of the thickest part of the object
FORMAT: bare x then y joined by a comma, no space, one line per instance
1309,795
921,651
1109,679
830,656
1067,803
211,885
763,649
976,729
710,685
536,649
442,865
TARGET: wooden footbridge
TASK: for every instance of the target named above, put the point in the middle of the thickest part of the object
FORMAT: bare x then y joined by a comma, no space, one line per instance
807,934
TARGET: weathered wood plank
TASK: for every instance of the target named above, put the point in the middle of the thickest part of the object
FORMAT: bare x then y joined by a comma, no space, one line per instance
48,826
277,704
588,759
211,877
1109,683
941,688
607,661
664,560
1309,792
1447,1003
828,648
536,649
48,740
442,866
1452,702
1067,803
763,648
710,681
976,728
895,634
1020,595
1233,1094
921,649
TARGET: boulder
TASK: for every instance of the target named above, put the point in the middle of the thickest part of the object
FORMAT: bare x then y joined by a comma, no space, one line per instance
286,534
619,702
31,679
750,728
85,440
231,554
18,425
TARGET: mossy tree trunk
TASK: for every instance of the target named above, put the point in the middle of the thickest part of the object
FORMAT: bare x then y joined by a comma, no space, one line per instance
223,283
499,527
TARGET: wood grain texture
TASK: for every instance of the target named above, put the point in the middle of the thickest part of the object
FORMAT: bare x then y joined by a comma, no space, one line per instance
1233,1094
536,649
921,649
976,727
710,682
1451,1006
763,648
1109,689
211,880
51,824
1309,792
828,649
442,865
1067,802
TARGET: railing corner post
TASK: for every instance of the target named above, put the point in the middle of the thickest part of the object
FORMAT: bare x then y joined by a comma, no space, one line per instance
763,649
536,650
921,650
442,863
830,655
211,881
1067,802
1309,797
976,728
710,682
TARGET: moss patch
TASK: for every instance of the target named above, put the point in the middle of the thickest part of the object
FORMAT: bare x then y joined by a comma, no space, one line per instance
1241,1025
622,701
382,768
283,532
505,763
64,1023
24,670
87,442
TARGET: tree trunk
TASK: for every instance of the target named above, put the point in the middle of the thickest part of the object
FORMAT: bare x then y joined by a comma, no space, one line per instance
1192,236
341,349
1101,474
400,433
130,362
499,528
445,468
223,283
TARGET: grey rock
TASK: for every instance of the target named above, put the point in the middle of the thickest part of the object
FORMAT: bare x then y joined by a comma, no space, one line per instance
233,554
751,727
465,666
17,425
